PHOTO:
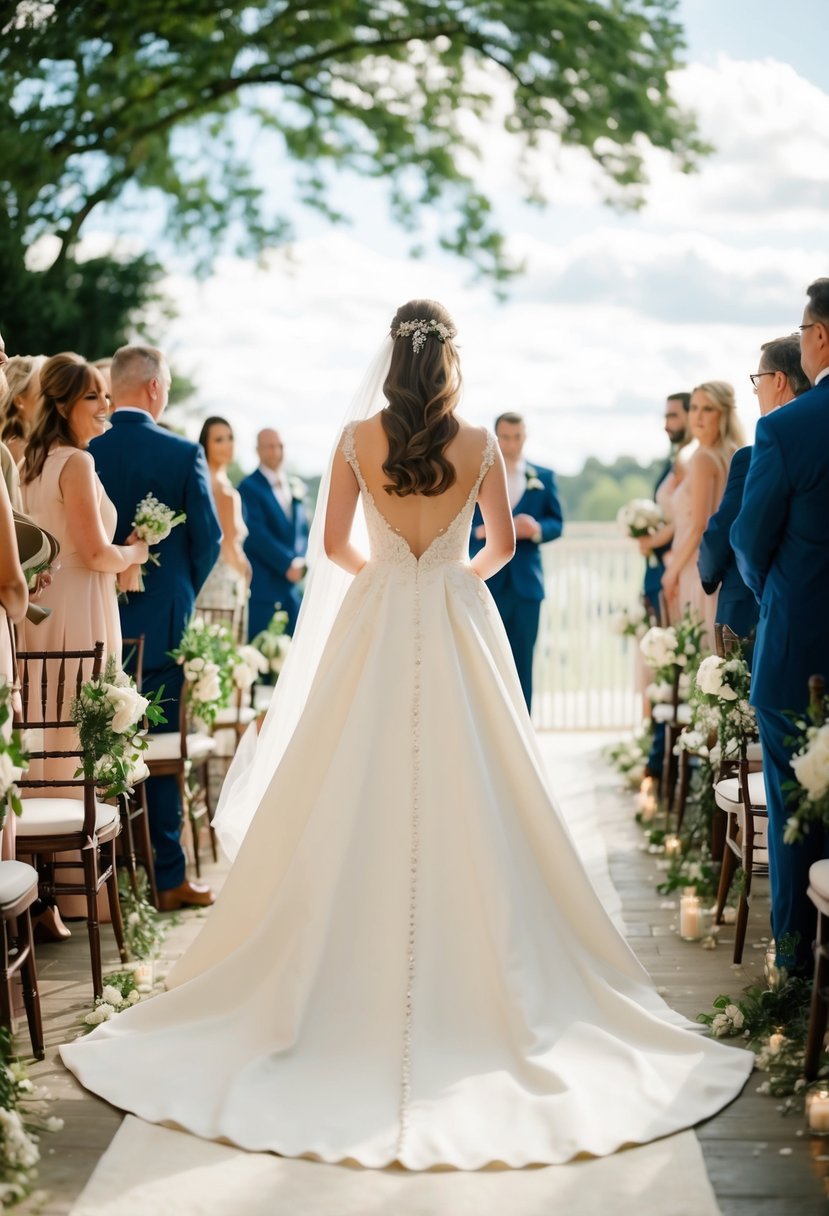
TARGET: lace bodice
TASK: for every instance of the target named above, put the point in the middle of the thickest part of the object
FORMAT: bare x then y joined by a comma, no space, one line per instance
387,545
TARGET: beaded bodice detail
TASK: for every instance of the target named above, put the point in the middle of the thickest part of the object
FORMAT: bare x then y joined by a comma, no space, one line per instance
387,545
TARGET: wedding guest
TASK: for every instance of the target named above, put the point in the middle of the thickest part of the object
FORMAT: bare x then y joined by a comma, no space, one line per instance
717,429
654,548
678,430
62,494
778,380
278,535
14,599
518,588
228,582
781,544
20,402
136,457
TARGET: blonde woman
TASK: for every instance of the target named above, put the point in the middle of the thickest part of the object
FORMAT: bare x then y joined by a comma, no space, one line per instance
20,402
717,429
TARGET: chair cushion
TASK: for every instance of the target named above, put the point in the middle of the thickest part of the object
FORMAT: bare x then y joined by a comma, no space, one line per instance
819,877
16,878
728,793
665,713
59,816
167,746
230,716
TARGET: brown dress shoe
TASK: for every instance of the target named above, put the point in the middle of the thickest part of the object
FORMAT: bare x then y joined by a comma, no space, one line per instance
188,895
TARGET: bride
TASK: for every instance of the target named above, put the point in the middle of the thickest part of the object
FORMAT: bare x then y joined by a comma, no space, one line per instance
407,962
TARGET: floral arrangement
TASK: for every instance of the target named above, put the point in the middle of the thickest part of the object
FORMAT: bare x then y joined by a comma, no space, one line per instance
630,756
673,647
809,791
774,1023
250,664
420,330
13,757
722,690
153,522
208,655
273,643
144,930
631,622
640,517
122,990
110,713
22,1122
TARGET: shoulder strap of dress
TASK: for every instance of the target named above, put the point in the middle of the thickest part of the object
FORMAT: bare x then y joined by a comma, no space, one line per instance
347,445
488,458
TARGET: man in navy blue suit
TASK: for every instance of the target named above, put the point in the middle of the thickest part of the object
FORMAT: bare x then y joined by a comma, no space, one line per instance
518,588
679,434
778,380
134,458
278,535
781,543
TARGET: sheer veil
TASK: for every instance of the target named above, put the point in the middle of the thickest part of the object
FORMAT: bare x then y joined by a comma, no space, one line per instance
258,756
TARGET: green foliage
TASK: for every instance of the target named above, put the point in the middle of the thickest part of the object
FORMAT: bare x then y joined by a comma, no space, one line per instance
144,930
100,102
598,491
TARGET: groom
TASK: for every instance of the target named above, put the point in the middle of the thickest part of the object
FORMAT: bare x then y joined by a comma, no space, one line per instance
518,588
277,535
134,458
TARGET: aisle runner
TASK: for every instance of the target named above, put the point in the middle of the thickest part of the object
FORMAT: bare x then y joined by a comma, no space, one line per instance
150,1169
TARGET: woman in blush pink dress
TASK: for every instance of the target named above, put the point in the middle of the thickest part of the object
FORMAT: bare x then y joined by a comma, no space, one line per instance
62,493
718,432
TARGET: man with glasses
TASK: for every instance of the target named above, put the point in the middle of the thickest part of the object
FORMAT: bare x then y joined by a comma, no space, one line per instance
778,380
781,542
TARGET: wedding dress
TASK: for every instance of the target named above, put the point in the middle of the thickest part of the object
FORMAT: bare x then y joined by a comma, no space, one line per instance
408,961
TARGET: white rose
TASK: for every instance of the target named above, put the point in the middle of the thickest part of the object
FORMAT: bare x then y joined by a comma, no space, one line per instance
243,676
812,772
709,676
137,771
208,687
193,668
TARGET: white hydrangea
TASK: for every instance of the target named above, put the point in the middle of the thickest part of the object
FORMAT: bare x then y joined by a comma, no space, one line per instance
112,996
659,647
811,768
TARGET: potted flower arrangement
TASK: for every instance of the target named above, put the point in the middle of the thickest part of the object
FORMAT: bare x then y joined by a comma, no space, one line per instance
273,643
809,791
110,715
208,656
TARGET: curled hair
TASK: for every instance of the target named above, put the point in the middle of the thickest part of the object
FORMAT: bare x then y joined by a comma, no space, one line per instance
213,420
783,355
64,379
732,435
422,390
19,372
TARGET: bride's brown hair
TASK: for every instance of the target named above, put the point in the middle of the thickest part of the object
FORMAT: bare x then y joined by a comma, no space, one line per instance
422,390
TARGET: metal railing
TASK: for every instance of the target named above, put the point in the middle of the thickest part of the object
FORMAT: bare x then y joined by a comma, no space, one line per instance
584,673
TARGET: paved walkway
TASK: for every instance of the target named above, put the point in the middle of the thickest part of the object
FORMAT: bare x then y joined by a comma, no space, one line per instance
760,1162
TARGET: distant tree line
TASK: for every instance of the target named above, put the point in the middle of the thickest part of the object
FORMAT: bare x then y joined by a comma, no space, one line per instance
599,490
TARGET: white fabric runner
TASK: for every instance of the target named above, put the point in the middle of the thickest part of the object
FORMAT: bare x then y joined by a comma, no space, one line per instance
151,1169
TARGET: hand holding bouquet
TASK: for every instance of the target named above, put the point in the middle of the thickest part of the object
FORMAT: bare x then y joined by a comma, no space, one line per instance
153,522
640,517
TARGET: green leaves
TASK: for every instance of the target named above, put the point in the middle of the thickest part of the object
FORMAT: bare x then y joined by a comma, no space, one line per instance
95,98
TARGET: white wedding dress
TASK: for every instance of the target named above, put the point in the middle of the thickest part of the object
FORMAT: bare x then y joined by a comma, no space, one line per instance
407,961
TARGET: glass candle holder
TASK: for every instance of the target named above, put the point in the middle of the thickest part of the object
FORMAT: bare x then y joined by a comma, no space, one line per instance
817,1110
673,846
690,916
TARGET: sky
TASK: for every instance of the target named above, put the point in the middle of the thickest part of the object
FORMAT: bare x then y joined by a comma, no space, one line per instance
614,310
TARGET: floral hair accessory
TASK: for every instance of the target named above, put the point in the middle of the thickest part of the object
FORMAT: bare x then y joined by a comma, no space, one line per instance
420,330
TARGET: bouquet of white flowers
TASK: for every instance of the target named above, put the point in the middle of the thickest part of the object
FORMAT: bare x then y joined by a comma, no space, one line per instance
722,689
109,713
153,522
631,622
640,517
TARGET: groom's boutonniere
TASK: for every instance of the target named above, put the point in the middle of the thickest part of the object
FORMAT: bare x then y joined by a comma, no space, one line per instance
534,482
298,489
